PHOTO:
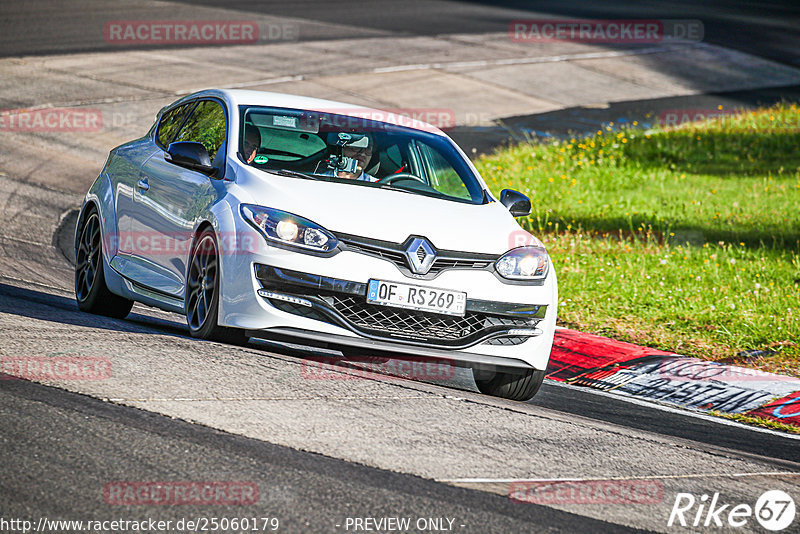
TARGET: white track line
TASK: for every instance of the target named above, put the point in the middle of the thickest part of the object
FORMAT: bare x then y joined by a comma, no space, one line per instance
643,477
245,399
31,282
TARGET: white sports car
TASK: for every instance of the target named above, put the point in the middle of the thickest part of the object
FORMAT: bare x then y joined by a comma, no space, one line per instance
326,224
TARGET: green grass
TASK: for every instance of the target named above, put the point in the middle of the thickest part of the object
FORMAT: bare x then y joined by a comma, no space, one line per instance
684,239
758,421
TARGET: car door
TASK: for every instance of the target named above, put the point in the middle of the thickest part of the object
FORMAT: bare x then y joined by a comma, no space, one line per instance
170,199
128,182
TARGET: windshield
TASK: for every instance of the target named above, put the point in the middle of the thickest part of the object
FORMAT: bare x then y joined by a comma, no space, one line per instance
357,151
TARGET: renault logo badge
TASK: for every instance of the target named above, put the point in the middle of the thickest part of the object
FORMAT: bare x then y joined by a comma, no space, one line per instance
420,255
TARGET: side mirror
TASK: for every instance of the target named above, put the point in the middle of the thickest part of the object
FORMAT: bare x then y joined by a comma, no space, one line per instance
518,204
190,155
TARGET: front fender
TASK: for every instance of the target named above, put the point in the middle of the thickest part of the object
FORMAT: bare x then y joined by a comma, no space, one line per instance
101,196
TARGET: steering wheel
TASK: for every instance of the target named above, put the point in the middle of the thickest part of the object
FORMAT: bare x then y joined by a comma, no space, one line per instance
401,176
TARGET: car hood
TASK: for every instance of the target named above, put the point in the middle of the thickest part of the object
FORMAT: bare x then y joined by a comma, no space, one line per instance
385,214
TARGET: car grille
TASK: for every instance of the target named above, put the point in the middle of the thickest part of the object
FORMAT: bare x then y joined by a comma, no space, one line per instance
507,340
395,256
394,252
411,325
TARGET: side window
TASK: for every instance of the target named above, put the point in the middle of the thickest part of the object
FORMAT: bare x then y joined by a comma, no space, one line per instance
443,177
169,124
205,125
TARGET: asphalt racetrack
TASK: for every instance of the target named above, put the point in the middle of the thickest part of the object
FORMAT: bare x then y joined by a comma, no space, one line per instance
323,452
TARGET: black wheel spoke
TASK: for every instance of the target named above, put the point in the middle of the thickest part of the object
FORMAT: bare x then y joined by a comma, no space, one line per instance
201,282
201,312
195,313
87,280
87,257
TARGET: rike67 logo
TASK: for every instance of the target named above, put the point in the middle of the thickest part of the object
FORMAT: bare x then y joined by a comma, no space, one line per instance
774,510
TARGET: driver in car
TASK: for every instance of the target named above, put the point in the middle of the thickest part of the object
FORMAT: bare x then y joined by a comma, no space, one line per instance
252,140
360,150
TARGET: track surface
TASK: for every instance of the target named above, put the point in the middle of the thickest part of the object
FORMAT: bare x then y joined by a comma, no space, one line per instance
83,443
72,445
319,450
765,30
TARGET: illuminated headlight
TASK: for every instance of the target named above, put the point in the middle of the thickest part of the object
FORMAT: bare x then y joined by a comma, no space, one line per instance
287,230
282,227
523,263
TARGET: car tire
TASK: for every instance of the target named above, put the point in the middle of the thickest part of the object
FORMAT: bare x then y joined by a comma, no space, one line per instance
202,293
518,386
91,292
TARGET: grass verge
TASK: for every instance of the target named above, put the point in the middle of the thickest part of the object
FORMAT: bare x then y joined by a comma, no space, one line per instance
758,421
685,239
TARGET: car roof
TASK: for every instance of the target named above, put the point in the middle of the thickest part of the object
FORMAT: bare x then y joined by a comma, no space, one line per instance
241,97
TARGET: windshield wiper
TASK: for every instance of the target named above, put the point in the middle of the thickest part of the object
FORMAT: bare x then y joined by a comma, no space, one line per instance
394,188
296,174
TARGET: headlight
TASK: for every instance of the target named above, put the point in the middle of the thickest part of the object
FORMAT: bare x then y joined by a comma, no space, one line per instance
523,263
281,227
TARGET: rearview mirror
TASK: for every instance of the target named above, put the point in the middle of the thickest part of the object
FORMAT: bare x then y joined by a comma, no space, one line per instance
518,204
190,155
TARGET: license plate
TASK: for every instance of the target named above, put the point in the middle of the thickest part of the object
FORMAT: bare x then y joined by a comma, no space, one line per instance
416,297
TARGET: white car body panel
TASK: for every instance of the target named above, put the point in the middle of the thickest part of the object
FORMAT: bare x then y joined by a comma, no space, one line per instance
340,208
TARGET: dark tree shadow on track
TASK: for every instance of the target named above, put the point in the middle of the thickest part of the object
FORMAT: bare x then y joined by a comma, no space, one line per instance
45,306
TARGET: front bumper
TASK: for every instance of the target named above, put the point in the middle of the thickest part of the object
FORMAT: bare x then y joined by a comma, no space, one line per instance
242,307
342,303
401,350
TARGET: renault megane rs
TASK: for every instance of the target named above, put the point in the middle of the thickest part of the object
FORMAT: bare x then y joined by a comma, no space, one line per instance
296,219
